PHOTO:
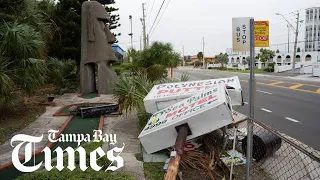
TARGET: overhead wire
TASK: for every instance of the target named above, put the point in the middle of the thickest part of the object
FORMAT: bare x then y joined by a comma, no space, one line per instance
149,17
160,17
157,16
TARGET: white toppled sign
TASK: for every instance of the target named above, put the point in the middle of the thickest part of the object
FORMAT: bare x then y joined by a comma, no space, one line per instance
204,112
164,95
241,34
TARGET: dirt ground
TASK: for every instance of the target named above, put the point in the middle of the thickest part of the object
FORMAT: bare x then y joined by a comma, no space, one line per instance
25,110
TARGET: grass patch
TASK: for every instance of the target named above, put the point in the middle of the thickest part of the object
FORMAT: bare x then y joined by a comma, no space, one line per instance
153,170
139,156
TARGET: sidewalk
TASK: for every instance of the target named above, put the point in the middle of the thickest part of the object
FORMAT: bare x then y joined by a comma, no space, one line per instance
125,128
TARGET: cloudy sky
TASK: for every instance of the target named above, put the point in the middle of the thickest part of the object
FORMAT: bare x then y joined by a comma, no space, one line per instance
185,22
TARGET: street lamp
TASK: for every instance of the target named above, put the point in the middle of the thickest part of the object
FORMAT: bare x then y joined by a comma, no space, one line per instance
296,39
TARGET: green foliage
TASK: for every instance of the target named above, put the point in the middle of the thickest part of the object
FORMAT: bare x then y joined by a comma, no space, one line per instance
222,59
184,77
265,54
31,74
155,60
152,170
197,64
298,50
60,71
66,42
20,41
6,82
271,67
130,91
200,56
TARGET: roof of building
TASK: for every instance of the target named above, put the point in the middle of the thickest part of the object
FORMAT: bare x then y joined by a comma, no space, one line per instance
116,45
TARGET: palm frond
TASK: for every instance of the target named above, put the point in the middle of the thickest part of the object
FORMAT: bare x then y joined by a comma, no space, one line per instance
185,77
31,74
6,82
20,41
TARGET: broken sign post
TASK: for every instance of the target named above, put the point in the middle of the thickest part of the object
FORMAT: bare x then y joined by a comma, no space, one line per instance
203,113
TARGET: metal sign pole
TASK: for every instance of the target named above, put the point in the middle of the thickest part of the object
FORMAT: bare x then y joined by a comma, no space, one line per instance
251,97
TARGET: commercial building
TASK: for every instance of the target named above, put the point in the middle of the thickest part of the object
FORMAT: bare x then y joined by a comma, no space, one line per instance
312,29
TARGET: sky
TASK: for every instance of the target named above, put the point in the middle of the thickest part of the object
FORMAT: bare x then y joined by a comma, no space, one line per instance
184,23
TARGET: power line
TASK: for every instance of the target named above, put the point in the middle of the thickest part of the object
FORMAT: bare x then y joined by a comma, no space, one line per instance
298,10
160,17
149,17
157,16
128,42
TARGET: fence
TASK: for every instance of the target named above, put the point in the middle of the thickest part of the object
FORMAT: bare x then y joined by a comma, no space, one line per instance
275,155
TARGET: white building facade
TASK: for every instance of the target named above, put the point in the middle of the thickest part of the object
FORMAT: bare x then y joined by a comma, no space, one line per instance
312,29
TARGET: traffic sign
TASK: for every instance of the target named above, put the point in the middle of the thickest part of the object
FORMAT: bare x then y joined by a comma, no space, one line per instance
261,33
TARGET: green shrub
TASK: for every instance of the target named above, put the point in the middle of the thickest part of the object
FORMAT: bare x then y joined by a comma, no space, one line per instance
271,67
60,71
118,69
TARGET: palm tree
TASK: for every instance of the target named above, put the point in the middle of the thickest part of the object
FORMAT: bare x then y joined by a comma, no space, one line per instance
200,56
222,59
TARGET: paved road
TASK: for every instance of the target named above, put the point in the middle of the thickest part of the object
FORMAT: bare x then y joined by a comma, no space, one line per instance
289,106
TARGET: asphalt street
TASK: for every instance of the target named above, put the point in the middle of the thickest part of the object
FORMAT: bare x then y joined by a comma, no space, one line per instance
287,105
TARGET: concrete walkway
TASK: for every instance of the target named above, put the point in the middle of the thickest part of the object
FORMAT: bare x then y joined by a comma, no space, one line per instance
125,127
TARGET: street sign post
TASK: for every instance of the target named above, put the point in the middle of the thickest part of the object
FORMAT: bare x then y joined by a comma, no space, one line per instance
243,39
261,33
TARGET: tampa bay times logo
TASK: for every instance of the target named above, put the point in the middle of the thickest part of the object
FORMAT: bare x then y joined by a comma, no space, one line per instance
28,142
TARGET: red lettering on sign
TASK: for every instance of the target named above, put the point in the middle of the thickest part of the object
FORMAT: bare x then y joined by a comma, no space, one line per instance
162,91
211,97
182,109
198,88
171,114
202,100
175,90
186,89
192,105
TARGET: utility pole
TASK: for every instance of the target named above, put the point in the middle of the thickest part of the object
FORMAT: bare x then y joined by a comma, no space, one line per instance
143,20
147,40
203,62
130,17
288,37
140,43
296,31
295,45
183,61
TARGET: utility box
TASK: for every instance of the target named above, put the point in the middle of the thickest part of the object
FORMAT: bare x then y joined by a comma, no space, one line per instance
316,69
203,113
164,95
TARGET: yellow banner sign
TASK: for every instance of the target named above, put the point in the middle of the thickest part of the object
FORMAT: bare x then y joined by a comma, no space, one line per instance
261,33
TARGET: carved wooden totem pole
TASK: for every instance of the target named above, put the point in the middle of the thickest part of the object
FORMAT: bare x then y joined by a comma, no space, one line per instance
96,50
